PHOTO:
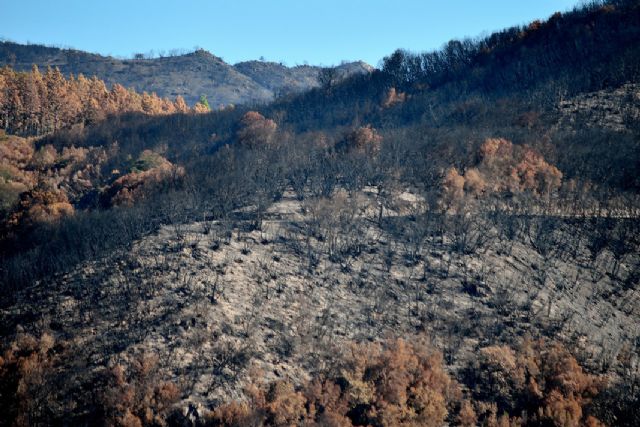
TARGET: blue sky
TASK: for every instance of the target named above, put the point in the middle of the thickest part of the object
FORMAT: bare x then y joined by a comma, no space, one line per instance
292,31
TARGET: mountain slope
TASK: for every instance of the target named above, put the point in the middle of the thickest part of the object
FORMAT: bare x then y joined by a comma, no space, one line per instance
215,309
480,197
189,75
277,77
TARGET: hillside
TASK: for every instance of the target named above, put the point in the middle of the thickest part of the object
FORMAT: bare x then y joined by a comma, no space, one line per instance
281,79
189,75
452,239
214,302
251,279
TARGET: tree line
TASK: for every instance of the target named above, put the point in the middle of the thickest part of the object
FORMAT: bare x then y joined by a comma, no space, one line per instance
36,103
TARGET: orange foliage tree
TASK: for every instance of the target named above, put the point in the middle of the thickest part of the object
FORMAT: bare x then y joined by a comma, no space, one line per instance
539,384
15,178
33,103
364,139
393,97
25,389
399,382
43,203
149,171
501,167
474,182
394,383
511,168
136,396
256,130
452,188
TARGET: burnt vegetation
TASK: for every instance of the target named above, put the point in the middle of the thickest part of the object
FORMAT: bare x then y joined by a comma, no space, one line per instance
408,190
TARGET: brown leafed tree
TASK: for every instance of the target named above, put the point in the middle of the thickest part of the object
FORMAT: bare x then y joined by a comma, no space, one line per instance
136,395
26,392
42,204
540,380
452,188
256,130
180,105
34,104
364,139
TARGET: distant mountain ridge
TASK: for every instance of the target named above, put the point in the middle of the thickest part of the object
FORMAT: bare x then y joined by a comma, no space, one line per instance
190,75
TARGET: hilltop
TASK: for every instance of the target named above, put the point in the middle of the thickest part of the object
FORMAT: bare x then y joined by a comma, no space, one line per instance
189,75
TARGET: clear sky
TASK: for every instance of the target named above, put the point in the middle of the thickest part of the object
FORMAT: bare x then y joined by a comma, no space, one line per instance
292,31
